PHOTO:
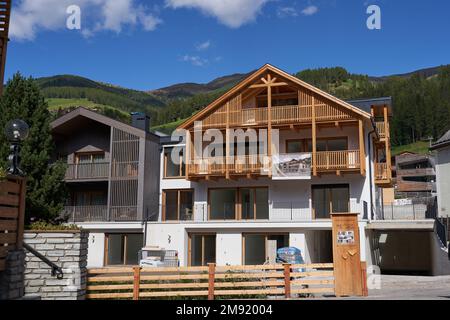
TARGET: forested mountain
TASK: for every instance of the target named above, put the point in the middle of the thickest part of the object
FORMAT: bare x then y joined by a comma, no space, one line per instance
421,98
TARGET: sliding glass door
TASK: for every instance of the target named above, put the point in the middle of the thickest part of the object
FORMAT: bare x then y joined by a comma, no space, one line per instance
202,249
329,199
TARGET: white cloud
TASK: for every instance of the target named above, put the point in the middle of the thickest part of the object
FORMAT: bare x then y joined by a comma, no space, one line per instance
310,10
29,17
203,46
232,13
283,12
195,60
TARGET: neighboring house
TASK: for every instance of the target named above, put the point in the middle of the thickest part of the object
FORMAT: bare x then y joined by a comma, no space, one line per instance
415,175
329,156
442,151
112,178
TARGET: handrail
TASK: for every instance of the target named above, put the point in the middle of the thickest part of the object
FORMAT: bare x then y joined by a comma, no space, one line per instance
56,270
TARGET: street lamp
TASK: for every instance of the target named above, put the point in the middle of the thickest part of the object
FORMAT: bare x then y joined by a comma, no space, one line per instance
16,131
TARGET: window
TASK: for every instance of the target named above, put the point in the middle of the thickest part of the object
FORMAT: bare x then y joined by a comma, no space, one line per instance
202,249
260,248
254,203
174,168
85,158
330,199
178,205
90,198
222,204
239,203
328,144
123,249
294,146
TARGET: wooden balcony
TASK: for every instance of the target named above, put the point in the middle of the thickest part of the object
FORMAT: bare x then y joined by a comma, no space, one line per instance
280,115
381,129
87,171
383,176
257,165
100,213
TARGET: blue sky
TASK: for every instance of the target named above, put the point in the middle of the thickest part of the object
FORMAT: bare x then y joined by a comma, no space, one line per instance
150,44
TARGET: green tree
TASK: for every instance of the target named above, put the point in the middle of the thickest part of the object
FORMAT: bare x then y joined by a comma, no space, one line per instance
46,192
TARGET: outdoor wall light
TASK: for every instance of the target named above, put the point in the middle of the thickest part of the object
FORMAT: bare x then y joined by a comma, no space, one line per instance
16,131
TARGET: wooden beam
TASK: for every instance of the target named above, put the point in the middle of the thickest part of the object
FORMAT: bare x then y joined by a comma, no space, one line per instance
187,152
269,125
314,136
263,85
227,141
362,148
387,141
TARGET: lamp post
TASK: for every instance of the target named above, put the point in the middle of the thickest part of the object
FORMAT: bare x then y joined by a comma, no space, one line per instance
16,131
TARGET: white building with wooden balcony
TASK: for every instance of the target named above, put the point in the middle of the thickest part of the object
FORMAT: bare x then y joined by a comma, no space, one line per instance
315,155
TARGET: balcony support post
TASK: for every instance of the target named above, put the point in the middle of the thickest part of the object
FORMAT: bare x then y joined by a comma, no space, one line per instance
269,123
387,142
227,143
362,148
314,137
187,152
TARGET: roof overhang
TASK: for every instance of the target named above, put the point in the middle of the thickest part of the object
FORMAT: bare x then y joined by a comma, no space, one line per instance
255,77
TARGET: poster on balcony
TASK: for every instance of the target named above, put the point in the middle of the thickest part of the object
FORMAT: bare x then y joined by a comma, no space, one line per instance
293,166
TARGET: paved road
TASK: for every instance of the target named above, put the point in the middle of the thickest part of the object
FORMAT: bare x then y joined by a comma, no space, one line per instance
412,287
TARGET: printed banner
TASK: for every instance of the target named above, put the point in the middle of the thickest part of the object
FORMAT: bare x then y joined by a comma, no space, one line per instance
294,166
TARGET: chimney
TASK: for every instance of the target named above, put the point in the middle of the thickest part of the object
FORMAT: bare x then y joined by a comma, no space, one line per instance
140,120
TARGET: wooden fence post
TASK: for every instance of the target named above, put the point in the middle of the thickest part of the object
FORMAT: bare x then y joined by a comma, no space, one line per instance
365,290
136,282
21,216
287,281
211,279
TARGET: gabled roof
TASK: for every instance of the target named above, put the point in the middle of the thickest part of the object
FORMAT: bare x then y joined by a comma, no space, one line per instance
81,112
256,76
444,141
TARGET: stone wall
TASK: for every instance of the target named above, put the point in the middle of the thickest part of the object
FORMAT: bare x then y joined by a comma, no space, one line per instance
12,279
67,250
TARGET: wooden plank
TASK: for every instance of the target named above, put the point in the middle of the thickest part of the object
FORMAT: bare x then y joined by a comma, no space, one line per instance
362,148
136,282
8,225
211,271
175,277
314,136
248,267
111,279
9,200
109,295
9,212
111,270
9,238
3,251
287,280
313,266
312,282
313,274
250,275
174,294
10,187
313,290
110,287
249,292
21,217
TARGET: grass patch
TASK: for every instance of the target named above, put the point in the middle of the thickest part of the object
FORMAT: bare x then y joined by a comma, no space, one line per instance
168,128
420,147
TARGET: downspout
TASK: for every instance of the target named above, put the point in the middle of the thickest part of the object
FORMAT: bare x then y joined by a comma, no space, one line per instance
369,142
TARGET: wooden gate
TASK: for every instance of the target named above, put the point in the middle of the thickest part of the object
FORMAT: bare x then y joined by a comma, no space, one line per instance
210,282
350,272
12,210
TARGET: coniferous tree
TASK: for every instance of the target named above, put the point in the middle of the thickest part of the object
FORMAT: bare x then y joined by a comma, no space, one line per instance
46,190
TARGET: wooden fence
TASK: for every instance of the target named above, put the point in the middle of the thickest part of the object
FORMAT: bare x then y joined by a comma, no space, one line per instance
12,209
210,282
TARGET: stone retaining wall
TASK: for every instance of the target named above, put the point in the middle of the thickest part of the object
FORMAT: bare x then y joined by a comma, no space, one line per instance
12,279
67,250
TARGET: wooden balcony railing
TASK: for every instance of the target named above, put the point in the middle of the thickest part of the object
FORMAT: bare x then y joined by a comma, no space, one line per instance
84,171
250,164
100,213
338,160
381,129
381,171
280,115
255,164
